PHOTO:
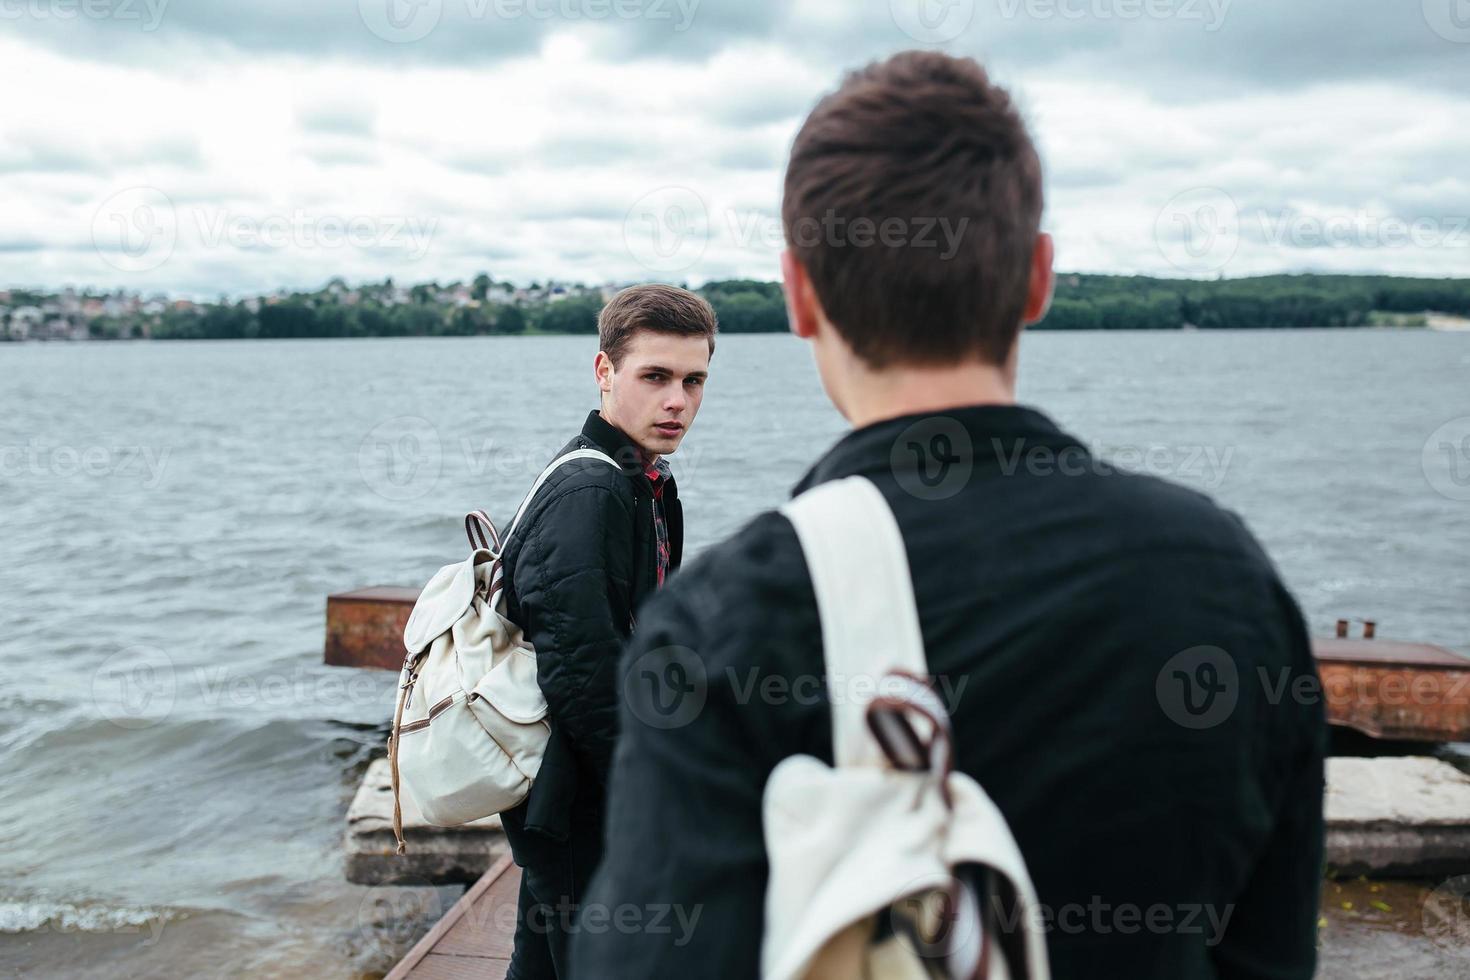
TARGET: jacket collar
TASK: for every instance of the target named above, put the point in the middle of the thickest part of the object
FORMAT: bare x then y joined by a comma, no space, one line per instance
968,433
603,435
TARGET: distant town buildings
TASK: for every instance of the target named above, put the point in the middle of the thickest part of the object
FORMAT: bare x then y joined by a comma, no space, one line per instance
73,314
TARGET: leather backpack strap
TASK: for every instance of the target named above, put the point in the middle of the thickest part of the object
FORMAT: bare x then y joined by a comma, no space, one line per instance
865,601
405,690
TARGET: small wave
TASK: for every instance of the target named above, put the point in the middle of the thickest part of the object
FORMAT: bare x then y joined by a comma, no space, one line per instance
17,916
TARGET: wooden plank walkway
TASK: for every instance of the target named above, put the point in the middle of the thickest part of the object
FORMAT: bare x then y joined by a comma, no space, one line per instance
475,936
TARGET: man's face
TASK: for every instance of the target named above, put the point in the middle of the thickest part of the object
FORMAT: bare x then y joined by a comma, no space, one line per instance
654,394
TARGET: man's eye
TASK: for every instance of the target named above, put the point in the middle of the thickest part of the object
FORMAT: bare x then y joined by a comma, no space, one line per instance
653,377
694,381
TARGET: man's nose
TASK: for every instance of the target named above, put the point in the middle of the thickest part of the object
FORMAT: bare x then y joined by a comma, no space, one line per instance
675,401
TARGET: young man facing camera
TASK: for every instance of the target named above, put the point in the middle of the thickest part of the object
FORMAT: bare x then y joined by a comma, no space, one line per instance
1097,636
594,543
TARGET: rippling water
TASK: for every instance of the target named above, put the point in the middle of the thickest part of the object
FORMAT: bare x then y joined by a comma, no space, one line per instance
177,763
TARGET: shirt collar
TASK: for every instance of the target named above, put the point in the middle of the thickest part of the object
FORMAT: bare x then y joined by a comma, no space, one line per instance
630,459
969,432
611,440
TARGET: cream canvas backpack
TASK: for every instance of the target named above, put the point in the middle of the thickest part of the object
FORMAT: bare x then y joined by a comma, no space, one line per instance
890,864
470,728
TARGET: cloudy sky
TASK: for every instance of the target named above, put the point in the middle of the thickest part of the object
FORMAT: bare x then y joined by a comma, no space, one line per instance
205,147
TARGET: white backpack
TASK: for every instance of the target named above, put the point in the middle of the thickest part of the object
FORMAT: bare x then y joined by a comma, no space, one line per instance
470,728
863,855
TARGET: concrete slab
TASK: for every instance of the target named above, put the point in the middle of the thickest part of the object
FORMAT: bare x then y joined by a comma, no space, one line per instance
436,855
1403,816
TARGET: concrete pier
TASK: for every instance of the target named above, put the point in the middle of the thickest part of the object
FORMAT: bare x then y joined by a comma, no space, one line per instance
436,855
1397,817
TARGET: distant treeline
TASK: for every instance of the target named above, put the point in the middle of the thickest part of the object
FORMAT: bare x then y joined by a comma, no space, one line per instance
1086,302
1082,302
1141,303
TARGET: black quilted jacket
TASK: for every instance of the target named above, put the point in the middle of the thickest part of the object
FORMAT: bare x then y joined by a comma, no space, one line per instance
579,565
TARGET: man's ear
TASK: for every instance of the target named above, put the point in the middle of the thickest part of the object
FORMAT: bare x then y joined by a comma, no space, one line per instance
602,368
801,300
1043,279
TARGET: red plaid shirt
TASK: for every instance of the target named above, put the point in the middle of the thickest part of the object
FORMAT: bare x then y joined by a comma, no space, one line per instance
658,474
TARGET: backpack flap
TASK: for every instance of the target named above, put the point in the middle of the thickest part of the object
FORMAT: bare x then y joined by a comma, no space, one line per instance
443,602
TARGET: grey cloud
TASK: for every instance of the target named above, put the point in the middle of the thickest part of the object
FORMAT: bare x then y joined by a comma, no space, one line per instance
591,150
1196,48
569,208
337,120
343,153
49,157
484,164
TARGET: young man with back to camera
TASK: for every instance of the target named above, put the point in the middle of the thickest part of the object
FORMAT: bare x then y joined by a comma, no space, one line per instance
594,543
1172,829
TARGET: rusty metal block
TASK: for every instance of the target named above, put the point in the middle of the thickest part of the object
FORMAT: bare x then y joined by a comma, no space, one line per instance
1399,691
365,627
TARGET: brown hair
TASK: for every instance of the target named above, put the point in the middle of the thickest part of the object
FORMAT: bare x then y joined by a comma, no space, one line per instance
653,306
913,200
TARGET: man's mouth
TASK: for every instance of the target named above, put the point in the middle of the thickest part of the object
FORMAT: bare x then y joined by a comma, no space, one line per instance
669,428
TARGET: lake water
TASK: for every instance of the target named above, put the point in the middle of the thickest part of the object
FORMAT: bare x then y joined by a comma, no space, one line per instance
177,763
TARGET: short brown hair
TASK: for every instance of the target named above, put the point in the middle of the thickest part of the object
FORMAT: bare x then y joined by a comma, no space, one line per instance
922,142
653,306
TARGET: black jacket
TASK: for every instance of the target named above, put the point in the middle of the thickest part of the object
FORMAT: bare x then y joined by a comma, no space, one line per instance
579,565
1061,602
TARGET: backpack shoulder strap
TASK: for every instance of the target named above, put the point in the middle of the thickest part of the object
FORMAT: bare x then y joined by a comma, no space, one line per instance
551,468
865,601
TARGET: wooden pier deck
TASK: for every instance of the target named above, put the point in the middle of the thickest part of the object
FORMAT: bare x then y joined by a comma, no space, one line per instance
473,940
